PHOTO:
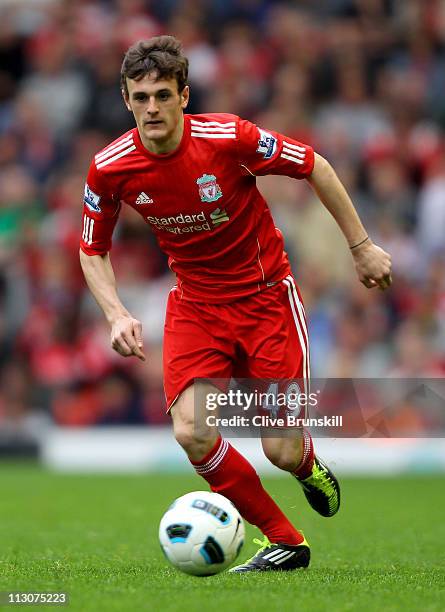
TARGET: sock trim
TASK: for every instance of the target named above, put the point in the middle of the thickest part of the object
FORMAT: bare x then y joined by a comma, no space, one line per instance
307,444
214,462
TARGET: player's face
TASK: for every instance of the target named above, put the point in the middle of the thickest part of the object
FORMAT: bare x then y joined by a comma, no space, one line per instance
157,107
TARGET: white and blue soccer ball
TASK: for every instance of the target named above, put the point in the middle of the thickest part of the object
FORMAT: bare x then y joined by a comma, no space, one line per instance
201,533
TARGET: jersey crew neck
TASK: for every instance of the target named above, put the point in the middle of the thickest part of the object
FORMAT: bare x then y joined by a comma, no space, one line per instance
165,157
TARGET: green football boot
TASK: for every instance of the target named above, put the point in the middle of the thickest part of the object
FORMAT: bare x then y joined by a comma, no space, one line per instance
321,489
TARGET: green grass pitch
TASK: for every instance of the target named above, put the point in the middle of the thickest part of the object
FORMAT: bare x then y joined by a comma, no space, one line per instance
95,537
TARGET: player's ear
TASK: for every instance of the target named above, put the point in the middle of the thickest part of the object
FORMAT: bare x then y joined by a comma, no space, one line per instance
185,95
126,99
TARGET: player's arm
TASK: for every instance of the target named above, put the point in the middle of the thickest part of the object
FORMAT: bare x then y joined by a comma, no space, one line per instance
126,331
373,264
100,214
263,152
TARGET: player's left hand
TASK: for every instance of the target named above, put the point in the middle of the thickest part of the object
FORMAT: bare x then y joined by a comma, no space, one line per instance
373,265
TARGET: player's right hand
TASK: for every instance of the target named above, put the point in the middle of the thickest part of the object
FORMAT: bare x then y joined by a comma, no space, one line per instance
126,337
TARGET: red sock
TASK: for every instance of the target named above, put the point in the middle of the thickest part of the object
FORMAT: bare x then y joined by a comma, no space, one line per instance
304,470
230,474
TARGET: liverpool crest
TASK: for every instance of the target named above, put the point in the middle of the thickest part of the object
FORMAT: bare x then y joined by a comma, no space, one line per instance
209,190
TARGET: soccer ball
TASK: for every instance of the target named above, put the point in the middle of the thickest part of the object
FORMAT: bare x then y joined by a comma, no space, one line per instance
201,533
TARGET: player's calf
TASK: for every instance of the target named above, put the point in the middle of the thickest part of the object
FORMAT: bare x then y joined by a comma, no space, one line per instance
285,452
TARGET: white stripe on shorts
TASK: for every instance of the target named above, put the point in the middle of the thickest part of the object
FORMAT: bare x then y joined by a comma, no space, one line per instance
300,324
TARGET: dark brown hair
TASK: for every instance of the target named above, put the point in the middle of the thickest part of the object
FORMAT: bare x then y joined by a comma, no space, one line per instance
161,55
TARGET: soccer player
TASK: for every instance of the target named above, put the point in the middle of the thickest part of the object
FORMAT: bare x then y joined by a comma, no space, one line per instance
236,309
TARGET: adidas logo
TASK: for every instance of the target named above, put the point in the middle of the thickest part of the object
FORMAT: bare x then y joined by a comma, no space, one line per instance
143,198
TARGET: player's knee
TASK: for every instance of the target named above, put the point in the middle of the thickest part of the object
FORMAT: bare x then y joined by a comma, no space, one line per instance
195,440
184,434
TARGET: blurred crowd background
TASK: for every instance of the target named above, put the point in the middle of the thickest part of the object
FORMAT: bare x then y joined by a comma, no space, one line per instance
363,81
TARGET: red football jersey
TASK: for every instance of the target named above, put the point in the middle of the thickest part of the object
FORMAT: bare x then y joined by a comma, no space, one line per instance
201,201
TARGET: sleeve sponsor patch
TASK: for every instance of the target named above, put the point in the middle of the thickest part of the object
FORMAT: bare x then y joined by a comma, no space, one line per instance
91,199
267,144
